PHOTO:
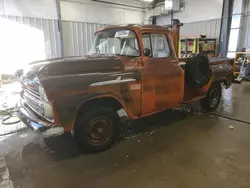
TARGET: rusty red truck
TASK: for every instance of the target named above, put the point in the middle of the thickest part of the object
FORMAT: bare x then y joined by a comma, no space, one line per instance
130,67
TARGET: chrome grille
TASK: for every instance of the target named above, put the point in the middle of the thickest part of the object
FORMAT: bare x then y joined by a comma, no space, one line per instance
32,99
34,93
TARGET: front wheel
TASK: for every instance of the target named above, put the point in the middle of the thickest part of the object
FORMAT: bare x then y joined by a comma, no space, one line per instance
212,100
96,129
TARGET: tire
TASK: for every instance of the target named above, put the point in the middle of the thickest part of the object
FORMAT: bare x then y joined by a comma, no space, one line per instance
96,130
212,100
198,71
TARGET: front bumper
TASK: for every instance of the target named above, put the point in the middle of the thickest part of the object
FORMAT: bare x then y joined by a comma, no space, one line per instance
33,121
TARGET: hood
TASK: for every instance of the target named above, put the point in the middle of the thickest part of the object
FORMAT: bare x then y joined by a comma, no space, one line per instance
64,66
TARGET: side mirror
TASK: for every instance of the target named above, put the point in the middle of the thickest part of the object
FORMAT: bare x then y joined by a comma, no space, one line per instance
147,52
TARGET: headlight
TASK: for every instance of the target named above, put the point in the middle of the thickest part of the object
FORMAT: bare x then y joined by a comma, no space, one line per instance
44,105
43,94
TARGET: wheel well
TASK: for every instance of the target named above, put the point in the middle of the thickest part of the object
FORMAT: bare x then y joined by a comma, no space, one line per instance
218,82
106,101
227,83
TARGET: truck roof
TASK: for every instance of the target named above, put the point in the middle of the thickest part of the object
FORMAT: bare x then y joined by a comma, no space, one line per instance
136,27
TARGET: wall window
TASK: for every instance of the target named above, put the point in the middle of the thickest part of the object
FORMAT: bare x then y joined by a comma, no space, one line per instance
233,40
235,31
236,21
158,45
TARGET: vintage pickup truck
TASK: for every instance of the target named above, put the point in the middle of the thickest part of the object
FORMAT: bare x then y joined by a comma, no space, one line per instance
130,67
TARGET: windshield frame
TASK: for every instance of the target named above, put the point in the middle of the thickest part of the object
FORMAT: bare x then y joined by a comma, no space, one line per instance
120,29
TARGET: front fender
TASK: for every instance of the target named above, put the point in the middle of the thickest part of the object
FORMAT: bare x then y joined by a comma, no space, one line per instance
66,109
67,93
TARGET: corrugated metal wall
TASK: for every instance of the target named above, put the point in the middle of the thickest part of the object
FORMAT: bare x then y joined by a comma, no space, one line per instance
247,32
1,7
78,37
211,28
49,28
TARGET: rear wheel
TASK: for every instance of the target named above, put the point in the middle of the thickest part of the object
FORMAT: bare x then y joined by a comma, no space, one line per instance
212,100
96,130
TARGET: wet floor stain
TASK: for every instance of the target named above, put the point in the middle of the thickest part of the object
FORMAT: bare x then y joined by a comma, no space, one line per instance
173,149
235,102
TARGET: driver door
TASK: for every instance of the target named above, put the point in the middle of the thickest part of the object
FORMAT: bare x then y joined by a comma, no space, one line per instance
162,77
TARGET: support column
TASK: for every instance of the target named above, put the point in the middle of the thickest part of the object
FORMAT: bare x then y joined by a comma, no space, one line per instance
60,32
154,20
226,20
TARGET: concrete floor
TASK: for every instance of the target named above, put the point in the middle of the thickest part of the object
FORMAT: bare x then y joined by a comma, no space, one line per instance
171,149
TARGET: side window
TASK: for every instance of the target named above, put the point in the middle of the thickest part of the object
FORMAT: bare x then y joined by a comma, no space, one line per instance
146,41
160,46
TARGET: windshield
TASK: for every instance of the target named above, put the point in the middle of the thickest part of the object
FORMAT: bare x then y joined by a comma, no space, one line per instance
116,42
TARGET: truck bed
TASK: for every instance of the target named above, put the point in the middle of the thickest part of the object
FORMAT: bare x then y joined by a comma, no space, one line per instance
222,68
213,60
218,59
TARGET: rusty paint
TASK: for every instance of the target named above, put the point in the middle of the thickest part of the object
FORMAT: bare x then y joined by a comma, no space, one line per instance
71,82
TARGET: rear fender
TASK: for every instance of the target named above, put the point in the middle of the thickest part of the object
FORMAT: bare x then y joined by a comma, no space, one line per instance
222,73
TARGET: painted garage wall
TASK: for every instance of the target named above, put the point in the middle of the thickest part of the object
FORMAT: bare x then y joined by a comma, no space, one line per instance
195,11
1,7
49,28
95,12
78,37
200,10
45,9
199,17
34,14
82,19
210,28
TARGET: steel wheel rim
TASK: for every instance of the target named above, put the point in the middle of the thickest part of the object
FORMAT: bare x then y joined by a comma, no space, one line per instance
214,97
100,130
